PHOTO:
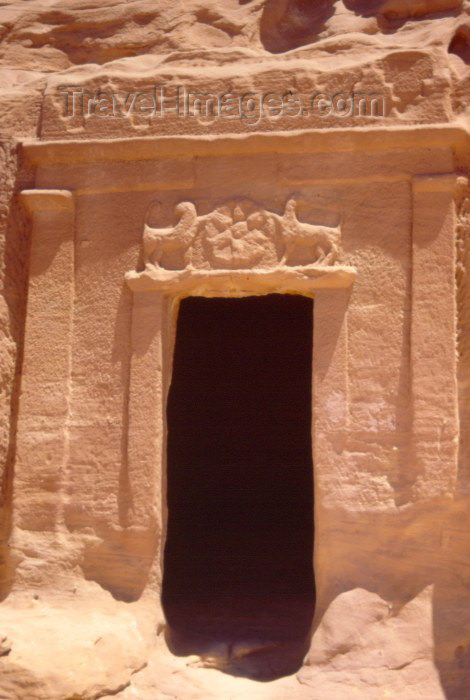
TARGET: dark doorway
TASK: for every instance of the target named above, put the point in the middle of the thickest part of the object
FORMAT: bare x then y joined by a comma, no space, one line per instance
238,583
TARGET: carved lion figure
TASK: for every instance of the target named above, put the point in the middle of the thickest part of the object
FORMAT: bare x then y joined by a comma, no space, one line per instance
323,240
157,241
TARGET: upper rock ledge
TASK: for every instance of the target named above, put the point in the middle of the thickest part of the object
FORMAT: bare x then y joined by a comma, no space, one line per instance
414,53
99,31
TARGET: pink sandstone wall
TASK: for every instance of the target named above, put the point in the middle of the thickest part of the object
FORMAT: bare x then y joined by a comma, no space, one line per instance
80,530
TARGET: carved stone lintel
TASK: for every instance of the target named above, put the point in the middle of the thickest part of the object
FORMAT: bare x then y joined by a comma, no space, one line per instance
297,280
240,236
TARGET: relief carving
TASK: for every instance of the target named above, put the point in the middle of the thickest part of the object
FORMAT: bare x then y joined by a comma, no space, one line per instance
238,235
239,246
157,241
322,240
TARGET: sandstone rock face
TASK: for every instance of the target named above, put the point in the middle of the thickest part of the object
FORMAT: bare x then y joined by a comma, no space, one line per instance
114,206
62,653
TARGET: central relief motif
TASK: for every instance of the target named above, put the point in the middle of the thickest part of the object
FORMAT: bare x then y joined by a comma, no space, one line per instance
239,235
237,239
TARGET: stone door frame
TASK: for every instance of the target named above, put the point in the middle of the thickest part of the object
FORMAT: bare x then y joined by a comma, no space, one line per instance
49,330
154,320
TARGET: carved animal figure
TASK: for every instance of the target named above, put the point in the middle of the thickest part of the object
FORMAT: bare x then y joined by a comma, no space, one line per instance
323,240
157,241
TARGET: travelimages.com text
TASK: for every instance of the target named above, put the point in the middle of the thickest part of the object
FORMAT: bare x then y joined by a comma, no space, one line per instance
249,107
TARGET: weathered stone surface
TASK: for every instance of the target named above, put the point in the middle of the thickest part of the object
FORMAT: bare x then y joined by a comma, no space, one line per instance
68,653
120,217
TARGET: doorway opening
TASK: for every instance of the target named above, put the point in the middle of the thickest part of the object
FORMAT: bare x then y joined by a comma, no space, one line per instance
238,585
